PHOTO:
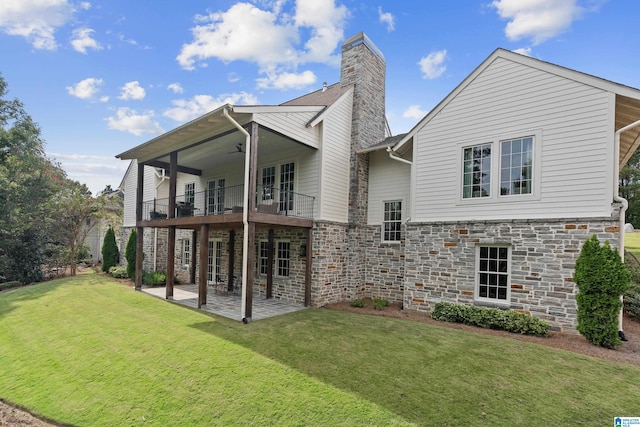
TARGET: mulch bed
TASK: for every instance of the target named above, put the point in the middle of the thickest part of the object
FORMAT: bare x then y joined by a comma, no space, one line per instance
628,352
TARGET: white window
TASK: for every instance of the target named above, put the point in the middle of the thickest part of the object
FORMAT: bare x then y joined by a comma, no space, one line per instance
215,195
501,169
268,182
214,262
477,171
263,257
190,193
186,252
392,221
492,273
283,257
516,166
287,175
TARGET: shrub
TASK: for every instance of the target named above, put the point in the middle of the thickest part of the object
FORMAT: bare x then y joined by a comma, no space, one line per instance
130,254
379,303
154,278
490,318
358,302
10,285
602,278
118,272
110,253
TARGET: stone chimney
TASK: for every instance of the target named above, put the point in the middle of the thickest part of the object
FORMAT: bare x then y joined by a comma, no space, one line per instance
363,67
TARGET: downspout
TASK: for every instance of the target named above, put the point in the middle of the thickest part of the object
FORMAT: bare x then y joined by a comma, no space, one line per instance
394,156
155,229
245,211
623,208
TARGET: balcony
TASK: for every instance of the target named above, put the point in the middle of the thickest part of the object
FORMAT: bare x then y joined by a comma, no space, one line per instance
229,200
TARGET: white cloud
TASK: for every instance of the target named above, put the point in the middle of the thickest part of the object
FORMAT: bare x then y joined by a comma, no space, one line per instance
387,18
414,112
36,20
94,171
128,120
539,20
185,110
233,77
432,64
132,90
175,88
82,40
523,51
272,39
327,28
86,89
287,80
85,5
243,32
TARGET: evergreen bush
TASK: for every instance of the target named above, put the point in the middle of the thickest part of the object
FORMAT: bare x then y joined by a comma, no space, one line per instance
602,279
490,318
110,253
130,254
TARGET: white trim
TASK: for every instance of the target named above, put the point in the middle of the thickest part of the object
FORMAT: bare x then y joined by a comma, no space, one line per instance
382,221
496,166
476,287
214,240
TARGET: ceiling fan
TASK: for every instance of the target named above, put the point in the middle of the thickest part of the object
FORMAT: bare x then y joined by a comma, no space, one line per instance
238,149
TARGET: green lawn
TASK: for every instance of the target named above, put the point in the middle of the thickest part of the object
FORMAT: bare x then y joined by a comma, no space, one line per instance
90,352
632,243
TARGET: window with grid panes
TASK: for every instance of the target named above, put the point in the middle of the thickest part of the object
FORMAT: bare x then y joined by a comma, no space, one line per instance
283,257
493,269
392,221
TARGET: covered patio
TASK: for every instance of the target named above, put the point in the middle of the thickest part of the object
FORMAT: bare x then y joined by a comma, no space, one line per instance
224,305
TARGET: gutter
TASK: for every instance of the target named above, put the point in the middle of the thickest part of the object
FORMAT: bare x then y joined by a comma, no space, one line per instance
394,156
245,211
623,208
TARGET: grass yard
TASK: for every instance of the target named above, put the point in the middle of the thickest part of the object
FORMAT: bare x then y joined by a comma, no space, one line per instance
632,243
90,352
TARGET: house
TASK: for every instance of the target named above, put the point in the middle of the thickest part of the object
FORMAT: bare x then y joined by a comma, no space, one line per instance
97,227
487,200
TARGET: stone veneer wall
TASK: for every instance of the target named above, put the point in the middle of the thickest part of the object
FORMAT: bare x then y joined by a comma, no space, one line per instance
329,278
148,248
290,288
384,266
440,263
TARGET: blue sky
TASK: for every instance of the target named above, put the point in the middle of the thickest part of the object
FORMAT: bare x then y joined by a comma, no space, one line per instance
102,76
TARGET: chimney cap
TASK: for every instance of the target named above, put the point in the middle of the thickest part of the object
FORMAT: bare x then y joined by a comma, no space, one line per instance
361,38
324,86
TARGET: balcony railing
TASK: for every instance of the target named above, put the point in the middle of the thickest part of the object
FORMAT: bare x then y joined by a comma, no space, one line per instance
226,200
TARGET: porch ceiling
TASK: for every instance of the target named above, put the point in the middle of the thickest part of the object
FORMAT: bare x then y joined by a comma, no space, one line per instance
223,149
206,142
627,112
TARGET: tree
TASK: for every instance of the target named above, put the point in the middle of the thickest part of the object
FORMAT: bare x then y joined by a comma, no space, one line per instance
110,253
77,214
130,254
630,188
28,182
602,279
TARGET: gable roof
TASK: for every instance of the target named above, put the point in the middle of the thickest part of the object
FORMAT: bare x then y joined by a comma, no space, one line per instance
627,108
323,96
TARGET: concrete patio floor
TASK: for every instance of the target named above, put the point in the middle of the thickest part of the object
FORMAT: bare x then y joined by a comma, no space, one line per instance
225,305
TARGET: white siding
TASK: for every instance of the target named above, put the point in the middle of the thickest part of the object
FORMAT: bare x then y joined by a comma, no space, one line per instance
388,180
510,100
130,183
334,175
292,125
